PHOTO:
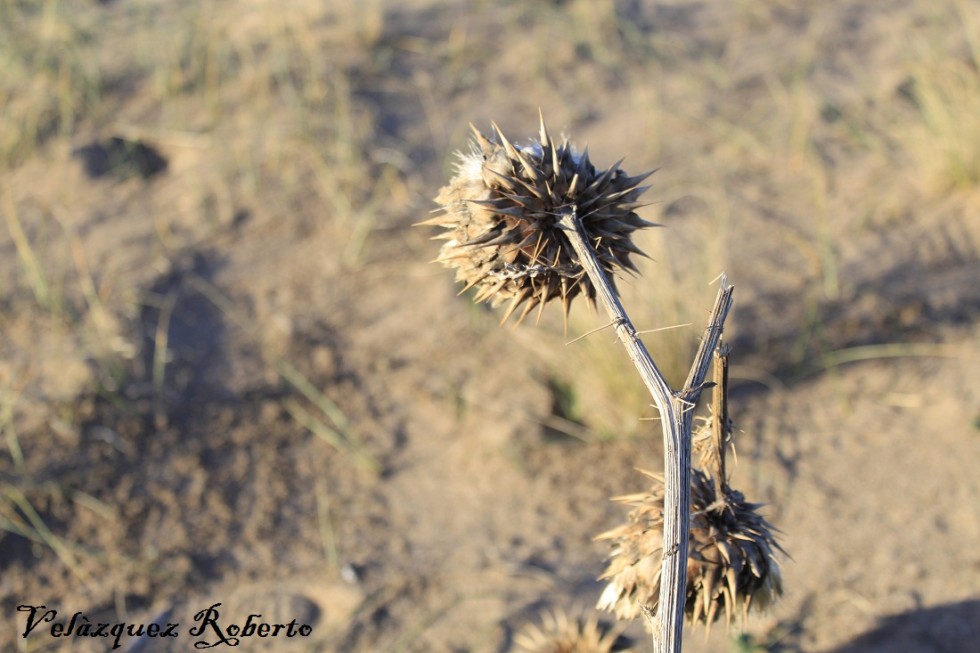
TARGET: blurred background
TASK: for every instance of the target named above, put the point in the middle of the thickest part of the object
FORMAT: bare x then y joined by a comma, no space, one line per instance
229,373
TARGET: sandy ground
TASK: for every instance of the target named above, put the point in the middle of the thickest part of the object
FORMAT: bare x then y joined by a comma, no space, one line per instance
238,380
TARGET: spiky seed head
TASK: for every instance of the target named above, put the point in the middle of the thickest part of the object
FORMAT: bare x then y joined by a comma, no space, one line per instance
731,565
501,213
559,633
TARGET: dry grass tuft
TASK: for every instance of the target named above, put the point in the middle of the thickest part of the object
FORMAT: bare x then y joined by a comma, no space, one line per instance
560,633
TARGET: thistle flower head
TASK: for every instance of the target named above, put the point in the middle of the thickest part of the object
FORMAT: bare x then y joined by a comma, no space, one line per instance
559,633
731,564
501,213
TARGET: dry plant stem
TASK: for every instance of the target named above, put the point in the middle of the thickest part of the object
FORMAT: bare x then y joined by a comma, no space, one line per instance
721,425
676,419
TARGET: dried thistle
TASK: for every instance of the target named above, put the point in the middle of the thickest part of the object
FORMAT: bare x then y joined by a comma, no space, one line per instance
535,223
559,633
731,565
501,214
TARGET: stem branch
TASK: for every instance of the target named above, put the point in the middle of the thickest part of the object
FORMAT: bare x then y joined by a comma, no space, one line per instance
676,418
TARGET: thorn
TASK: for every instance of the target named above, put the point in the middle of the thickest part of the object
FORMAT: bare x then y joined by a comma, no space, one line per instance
541,302
604,178
528,308
674,326
508,146
634,181
488,238
514,303
537,248
545,138
589,333
583,162
470,284
438,221
530,187
514,211
638,190
529,167
481,140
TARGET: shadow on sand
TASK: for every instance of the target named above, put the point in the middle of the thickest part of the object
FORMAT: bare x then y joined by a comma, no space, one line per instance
949,628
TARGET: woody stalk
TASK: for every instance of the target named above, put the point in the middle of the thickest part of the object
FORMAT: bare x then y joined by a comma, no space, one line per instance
531,224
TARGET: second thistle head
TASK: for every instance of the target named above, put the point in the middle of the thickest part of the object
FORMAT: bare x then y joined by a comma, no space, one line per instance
731,564
501,214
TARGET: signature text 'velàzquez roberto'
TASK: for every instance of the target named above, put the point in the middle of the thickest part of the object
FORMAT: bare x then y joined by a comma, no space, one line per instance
208,632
